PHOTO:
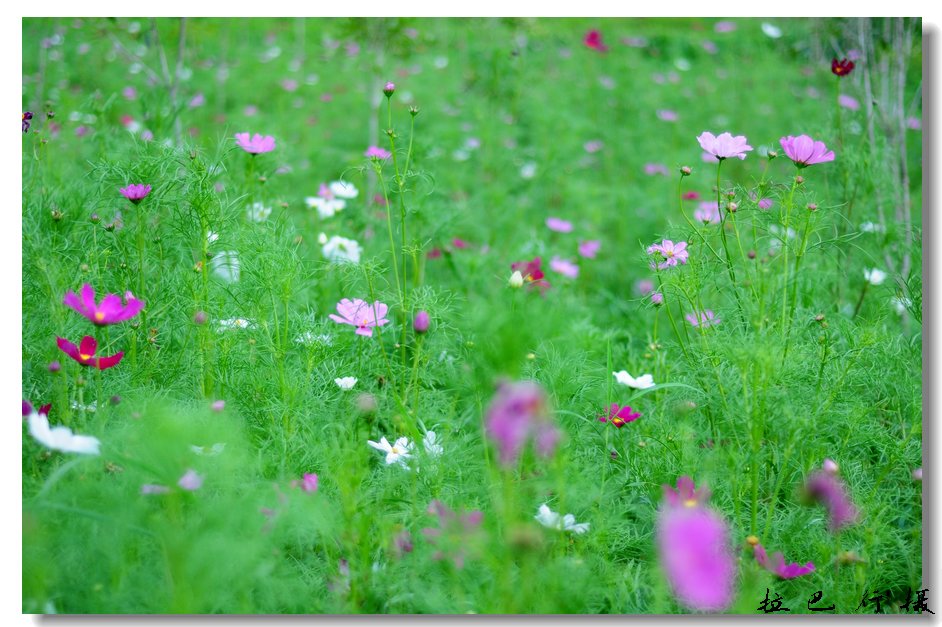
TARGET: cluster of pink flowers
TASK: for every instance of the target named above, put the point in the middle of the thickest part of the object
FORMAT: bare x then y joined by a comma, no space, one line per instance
109,311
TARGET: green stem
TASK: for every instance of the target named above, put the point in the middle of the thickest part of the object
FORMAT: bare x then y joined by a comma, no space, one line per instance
788,213
729,259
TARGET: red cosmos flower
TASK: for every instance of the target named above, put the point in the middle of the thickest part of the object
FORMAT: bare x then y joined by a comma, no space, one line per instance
532,273
84,353
842,67
620,416
593,39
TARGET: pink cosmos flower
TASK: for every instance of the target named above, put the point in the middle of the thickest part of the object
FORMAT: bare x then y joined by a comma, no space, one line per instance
564,267
190,481
532,273
110,311
593,39
594,146
620,416
360,314
914,123
656,168
777,564
375,152
453,532
589,249
765,203
694,552
136,192
805,151
848,102
559,225
708,213
255,145
724,146
519,413
644,287
704,318
657,298
671,253
460,244
707,157
667,115
198,100
724,27
828,490
692,195
308,482
686,493
84,353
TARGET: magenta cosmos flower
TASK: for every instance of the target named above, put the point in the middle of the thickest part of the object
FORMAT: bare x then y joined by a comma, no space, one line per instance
703,319
256,144
136,192
805,151
532,272
109,311
361,314
84,353
725,145
517,414
777,564
620,416
375,152
671,253
593,40
694,551
559,225
828,490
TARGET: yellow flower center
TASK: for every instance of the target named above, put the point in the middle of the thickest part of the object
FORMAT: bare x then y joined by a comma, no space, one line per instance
84,357
99,316
690,503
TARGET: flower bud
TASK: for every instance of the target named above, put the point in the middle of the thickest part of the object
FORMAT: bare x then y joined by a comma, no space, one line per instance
414,110
389,88
752,540
366,403
421,322
812,206
516,280
751,254
200,318
732,207
799,179
56,214
115,400
830,466
94,219
657,298
685,170
772,154
54,366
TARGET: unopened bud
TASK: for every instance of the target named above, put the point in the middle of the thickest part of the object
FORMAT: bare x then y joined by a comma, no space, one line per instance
389,88
752,540
772,154
799,179
421,322
732,207
56,214
200,318
516,280
751,254
830,466
685,170
414,110
812,206
94,219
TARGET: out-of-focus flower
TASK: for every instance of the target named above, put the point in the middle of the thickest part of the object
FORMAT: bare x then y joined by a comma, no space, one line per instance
848,102
27,116
707,213
153,488
453,533
657,298
558,225
519,413
431,443
135,192
225,265
703,319
771,30
346,383
58,438
420,323
340,249
564,267
643,382
805,151
777,564
532,273
671,253
917,474
644,287
360,314
593,40
620,416
901,304
656,168
230,324
191,480
594,146
516,279
842,67
667,115
308,482
828,490
765,203
874,276
258,212
724,26
84,353
256,144
830,466
214,450
589,249
552,520
725,145
110,311
872,227
375,152
398,453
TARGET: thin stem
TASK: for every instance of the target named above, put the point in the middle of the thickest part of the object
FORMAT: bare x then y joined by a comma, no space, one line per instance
788,213
729,259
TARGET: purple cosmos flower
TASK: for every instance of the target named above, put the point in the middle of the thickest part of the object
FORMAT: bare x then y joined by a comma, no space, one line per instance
564,267
191,480
256,144
517,414
452,533
830,466
360,314
694,552
777,564
27,116
421,322
559,225
375,152
704,318
828,490
589,249
84,353
657,298
136,192
805,151
671,253
110,311
725,145
620,416
708,212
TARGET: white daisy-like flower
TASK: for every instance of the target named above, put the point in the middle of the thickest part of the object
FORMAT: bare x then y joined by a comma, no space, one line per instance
550,519
326,207
225,265
873,276
346,383
396,453
771,30
872,227
528,170
258,212
643,382
901,304
343,189
309,338
340,249
234,323
91,408
60,438
432,444
211,451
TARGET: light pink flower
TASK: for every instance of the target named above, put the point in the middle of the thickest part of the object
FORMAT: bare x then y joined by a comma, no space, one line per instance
191,481
708,213
848,102
805,151
375,152
724,27
594,146
559,225
706,157
667,115
564,267
656,168
644,287
519,413
360,314
725,145
256,144
703,319
671,253
765,203
590,248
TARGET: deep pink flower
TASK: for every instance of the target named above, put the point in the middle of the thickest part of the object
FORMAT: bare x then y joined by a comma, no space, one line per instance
777,564
255,145
671,253
725,145
361,314
453,532
805,151
589,249
559,225
692,195
84,353
686,493
460,244
532,273
110,311
842,67
704,318
694,552
136,192
564,267
593,39
308,482
519,413
375,152
708,212
828,490
28,409
620,416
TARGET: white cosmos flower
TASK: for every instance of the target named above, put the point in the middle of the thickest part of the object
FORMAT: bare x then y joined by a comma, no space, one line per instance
234,323
60,438
874,276
548,518
643,382
346,383
396,453
431,444
308,338
343,189
259,212
901,304
872,227
339,249
771,30
326,207
225,265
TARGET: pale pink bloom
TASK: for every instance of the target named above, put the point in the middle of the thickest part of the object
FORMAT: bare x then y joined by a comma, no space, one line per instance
914,123
559,225
218,406
593,146
703,319
656,168
917,474
590,248
129,92
289,84
709,46
657,298
708,213
153,488
256,144
724,27
644,287
765,203
848,102
777,564
805,151
250,110
564,267
360,314
191,480
830,466
667,115
725,145
671,253
198,100
708,158
375,152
